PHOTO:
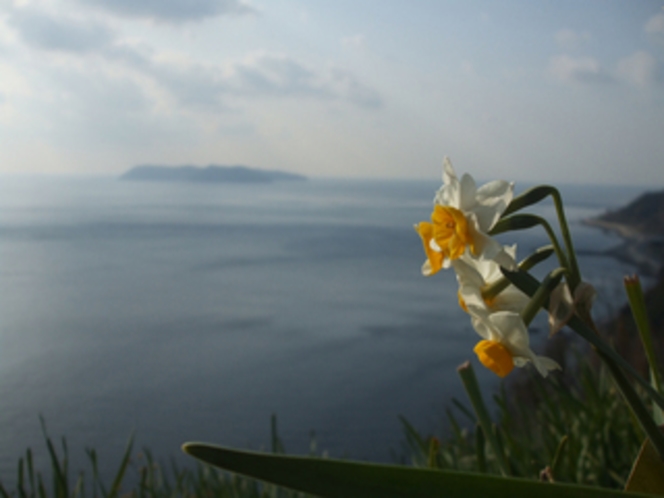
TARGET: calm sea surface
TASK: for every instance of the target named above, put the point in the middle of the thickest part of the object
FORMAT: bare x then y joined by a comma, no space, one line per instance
193,312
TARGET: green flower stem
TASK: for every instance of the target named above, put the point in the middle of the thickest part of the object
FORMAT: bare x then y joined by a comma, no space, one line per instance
540,298
585,328
525,221
575,277
540,254
535,195
469,380
528,198
529,284
492,290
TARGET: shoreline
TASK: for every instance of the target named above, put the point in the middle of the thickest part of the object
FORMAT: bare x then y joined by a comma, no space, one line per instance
644,251
624,230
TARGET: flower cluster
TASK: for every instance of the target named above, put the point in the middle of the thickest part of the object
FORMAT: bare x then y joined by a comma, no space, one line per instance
458,237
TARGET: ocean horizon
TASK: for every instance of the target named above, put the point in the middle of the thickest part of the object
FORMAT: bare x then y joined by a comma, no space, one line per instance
182,312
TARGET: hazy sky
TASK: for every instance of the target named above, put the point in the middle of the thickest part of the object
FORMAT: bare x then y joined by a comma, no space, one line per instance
560,90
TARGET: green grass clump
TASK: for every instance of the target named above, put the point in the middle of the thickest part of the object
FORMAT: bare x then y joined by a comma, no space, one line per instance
575,430
578,432
139,476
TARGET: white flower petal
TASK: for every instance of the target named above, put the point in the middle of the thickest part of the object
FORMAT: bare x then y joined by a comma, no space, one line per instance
467,271
511,328
481,207
495,192
467,201
426,269
514,336
449,175
488,248
544,365
450,192
560,307
483,328
511,299
487,217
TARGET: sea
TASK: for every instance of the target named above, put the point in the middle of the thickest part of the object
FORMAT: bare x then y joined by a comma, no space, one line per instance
176,312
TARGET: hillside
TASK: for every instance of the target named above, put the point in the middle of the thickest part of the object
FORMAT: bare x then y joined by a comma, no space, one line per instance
642,218
641,224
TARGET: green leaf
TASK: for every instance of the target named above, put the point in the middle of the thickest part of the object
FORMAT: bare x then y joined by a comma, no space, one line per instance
647,475
346,479
637,304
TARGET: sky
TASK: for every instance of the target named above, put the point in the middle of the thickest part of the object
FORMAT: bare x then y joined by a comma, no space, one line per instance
550,91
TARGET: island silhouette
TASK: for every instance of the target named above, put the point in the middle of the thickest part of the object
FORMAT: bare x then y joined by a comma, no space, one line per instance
207,174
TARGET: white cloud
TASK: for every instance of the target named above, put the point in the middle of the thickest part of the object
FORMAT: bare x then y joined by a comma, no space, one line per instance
173,10
176,78
346,86
264,73
278,75
355,42
569,39
578,70
655,25
639,69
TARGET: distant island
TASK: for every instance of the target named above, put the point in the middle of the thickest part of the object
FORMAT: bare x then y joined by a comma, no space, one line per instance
208,174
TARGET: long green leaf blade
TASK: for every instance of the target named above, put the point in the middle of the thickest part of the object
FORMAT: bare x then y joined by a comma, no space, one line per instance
346,479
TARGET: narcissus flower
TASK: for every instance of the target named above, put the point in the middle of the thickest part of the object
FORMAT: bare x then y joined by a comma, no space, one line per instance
506,344
462,217
478,279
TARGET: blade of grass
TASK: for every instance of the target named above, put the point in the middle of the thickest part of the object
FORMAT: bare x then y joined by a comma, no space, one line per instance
60,486
341,478
640,313
469,380
119,476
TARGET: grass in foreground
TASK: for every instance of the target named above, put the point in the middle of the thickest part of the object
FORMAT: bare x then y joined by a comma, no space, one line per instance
577,432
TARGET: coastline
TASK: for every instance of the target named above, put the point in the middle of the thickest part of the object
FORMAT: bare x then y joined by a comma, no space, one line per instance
642,246
624,230
643,250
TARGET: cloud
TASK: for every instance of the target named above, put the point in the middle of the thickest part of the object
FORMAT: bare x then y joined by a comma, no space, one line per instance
569,39
195,86
349,88
355,42
280,75
215,87
59,33
639,69
578,70
275,74
173,10
655,25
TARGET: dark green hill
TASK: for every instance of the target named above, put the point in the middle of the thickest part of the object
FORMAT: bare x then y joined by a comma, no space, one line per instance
209,174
